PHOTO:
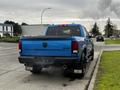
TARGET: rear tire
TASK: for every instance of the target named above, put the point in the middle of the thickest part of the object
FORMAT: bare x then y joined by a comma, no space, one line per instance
68,72
92,54
36,69
83,65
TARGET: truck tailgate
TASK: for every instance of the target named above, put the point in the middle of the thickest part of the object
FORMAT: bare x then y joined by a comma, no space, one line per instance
48,47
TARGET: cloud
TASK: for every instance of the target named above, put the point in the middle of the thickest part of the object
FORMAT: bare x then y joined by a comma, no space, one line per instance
30,10
109,8
104,4
116,8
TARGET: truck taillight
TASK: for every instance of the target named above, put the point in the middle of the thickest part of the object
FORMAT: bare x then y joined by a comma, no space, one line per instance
74,46
20,45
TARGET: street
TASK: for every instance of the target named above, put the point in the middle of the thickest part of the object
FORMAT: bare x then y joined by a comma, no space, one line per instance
14,77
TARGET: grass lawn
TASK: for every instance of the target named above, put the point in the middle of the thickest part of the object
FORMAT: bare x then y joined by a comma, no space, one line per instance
108,76
9,39
112,41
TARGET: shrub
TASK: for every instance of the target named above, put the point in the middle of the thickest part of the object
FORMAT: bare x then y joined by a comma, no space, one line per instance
10,39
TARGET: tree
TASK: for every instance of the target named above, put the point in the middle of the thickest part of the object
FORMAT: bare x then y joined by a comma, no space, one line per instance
16,27
95,30
109,28
24,23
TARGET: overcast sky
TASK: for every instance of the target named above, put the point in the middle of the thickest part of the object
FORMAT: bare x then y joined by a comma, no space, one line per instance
29,11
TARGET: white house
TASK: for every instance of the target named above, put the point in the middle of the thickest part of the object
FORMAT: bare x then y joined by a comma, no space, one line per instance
6,28
34,30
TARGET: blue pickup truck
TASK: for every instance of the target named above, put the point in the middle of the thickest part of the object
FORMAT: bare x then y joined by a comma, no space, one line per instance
68,46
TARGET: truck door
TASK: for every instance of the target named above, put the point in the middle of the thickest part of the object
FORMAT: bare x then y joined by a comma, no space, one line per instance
87,41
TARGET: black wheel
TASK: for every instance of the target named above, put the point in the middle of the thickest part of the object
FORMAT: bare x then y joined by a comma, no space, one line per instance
96,40
68,72
83,65
36,69
92,54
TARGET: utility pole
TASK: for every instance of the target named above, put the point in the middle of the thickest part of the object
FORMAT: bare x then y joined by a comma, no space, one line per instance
43,13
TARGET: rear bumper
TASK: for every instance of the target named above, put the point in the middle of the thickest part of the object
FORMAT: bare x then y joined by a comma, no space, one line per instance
50,60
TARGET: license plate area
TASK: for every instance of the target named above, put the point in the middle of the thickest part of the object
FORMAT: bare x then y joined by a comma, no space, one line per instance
45,60
77,71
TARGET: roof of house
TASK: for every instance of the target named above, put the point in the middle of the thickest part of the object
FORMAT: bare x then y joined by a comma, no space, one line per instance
2,24
36,25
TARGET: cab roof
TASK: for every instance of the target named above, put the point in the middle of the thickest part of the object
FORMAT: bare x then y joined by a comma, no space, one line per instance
65,25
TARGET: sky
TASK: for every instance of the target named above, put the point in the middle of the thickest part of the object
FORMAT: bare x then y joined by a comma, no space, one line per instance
29,11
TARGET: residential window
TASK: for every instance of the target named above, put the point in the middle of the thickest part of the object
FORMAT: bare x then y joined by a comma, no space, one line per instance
3,28
6,28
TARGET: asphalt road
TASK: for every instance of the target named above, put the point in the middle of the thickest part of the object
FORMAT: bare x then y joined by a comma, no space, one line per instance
14,77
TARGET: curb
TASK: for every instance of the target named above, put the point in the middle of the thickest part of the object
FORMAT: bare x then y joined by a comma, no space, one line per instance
112,44
93,78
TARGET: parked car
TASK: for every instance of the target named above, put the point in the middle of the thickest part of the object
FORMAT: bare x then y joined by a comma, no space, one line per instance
99,38
68,46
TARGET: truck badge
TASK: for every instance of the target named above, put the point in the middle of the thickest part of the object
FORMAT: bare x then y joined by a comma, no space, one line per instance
45,44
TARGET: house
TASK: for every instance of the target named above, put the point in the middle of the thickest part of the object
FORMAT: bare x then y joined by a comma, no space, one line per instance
34,29
6,28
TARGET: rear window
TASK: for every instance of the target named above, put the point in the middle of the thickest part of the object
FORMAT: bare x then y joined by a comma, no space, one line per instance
63,31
